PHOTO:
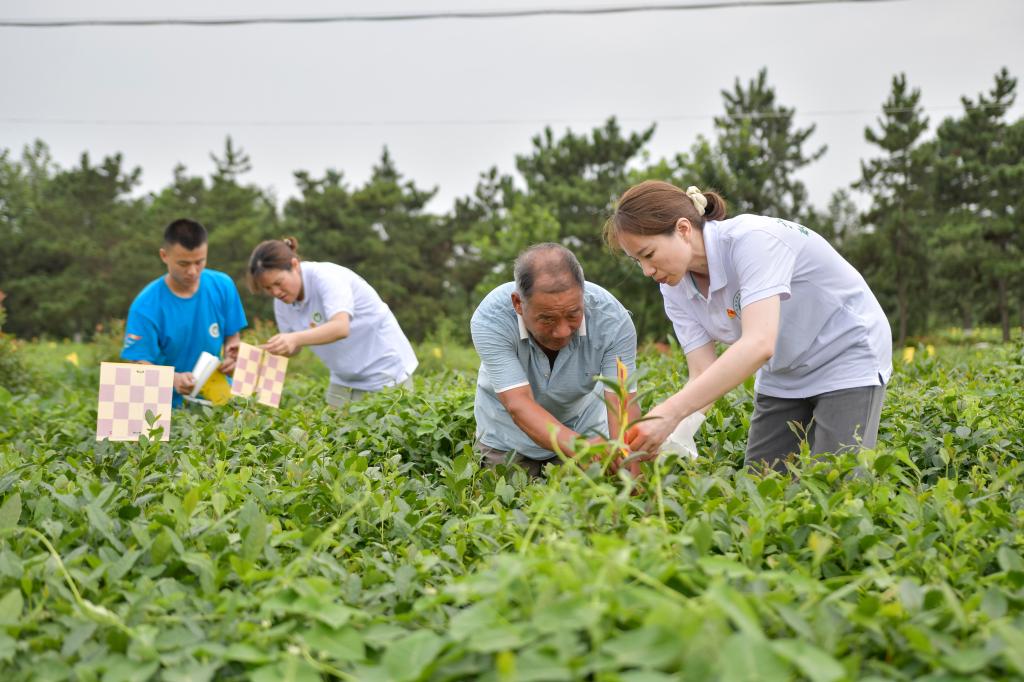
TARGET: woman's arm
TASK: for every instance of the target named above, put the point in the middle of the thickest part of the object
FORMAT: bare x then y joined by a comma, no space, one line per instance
290,343
760,328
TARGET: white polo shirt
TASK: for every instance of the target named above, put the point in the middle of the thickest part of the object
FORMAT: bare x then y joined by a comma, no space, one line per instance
375,353
833,333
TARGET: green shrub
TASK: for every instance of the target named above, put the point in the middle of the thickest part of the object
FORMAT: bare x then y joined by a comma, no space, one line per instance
14,376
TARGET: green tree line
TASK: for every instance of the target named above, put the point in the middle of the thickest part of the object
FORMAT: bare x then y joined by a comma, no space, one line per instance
939,236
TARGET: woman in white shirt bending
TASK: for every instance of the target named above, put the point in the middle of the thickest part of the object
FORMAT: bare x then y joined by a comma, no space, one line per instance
789,306
338,315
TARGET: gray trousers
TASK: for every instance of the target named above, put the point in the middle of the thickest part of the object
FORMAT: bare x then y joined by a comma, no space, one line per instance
491,458
838,421
338,395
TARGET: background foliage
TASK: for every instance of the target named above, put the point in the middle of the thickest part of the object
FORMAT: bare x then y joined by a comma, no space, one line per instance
939,239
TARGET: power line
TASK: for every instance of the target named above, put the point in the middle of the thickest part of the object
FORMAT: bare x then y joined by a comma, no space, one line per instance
416,16
339,123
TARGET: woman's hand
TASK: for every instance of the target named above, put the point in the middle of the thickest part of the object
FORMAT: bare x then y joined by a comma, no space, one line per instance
648,435
282,344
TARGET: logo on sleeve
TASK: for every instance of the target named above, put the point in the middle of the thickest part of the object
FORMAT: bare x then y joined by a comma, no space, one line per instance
215,330
130,339
734,311
318,318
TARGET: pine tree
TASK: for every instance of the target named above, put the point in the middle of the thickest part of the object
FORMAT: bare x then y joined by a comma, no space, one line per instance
897,185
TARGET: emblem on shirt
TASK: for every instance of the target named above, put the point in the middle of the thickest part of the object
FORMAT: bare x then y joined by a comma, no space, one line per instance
734,311
130,339
793,226
317,319
215,330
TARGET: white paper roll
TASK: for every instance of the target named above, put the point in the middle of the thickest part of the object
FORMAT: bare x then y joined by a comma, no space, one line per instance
206,365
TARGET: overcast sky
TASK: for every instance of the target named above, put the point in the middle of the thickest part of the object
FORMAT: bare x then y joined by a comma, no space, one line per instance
452,98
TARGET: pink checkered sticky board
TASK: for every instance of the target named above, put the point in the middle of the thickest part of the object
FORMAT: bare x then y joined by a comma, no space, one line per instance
259,372
127,392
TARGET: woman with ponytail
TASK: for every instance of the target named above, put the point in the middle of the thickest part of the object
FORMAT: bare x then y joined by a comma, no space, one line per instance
338,315
791,309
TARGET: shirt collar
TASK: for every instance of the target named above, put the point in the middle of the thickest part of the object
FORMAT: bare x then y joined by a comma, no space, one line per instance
299,305
716,272
524,334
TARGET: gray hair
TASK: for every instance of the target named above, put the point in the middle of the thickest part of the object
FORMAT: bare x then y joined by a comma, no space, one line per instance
553,264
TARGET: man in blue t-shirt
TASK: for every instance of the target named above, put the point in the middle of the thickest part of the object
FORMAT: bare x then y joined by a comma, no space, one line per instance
185,312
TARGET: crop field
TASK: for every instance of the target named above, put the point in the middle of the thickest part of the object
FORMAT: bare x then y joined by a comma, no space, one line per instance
308,543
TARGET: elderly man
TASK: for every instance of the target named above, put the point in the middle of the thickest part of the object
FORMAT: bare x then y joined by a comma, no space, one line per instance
542,341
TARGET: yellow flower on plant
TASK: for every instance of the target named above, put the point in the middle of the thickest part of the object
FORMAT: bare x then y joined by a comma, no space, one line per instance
436,352
72,358
931,350
908,354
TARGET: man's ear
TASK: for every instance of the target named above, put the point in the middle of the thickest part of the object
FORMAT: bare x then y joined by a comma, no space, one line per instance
163,254
517,302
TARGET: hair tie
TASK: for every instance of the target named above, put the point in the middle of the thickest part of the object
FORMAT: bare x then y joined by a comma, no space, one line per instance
700,202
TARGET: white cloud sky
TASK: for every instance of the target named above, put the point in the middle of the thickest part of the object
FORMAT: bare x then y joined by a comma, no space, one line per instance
452,98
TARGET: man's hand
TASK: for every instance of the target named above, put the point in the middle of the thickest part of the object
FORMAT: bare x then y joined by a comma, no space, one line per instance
282,344
184,382
230,358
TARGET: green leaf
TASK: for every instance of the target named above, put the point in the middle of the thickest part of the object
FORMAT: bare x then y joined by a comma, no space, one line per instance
408,658
331,613
812,661
220,502
118,569
464,624
127,670
649,647
188,505
253,539
8,647
719,565
196,672
10,511
1009,560
1013,649
247,653
751,659
291,669
968,661
76,637
737,607
341,645
498,638
10,608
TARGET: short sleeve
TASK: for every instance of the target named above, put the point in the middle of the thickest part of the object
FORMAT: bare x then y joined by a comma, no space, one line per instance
622,346
497,351
336,292
764,265
234,313
690,333
141,337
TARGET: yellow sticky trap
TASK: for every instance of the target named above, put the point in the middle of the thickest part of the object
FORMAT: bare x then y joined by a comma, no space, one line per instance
217,389
908,354
931,350
72,358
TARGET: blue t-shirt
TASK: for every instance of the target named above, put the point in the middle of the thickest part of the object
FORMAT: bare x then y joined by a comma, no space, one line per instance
166,329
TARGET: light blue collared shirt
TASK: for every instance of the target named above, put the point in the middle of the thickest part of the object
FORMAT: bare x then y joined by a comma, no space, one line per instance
510,358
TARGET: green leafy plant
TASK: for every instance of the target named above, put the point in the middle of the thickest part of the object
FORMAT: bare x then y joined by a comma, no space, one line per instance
368,544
